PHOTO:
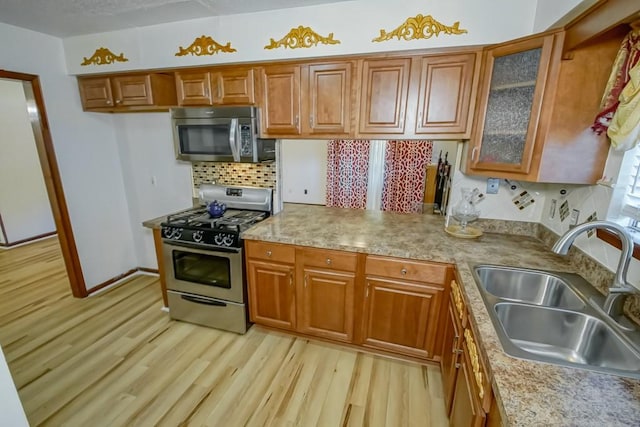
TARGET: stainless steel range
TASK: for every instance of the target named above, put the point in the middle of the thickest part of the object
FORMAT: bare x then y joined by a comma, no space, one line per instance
203,257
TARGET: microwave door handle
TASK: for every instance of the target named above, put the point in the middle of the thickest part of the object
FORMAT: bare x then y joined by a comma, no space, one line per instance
234,139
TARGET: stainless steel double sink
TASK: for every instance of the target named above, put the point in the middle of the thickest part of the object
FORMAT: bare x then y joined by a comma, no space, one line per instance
551,317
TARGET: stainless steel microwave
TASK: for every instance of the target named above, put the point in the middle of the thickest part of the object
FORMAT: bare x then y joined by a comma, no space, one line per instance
220,134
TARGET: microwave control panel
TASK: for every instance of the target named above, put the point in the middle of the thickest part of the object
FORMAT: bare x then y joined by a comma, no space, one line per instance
246,145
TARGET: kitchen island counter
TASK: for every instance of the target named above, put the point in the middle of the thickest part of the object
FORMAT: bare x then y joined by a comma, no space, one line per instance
528,393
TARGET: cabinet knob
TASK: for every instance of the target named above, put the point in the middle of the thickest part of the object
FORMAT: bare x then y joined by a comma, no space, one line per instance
108,102
328,261
403,271
268,253
311,121
118,101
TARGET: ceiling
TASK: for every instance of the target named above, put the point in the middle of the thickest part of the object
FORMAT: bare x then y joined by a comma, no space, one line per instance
65,18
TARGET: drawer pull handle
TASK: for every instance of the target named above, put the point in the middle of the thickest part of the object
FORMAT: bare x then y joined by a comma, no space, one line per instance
328,261
403,271
269,253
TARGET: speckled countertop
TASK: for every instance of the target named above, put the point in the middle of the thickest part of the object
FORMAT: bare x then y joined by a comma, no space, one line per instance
528,393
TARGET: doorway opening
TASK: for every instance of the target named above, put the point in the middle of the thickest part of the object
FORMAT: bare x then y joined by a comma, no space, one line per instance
48,163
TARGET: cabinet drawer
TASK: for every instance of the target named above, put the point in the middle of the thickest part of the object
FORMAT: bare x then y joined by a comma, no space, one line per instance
271,251
405,269
335,260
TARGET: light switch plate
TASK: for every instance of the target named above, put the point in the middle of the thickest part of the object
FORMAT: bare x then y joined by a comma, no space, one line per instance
493,184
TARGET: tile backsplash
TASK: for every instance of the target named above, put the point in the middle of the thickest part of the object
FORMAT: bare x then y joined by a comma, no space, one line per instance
245,174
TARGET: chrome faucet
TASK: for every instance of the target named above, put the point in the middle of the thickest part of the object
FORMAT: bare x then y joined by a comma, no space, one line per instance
620,288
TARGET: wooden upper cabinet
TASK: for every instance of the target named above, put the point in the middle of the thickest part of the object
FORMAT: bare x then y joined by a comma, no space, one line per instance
234,86
445,96
383,101
127,92
281,100
327,99
535,111
95,92
512,92
194,88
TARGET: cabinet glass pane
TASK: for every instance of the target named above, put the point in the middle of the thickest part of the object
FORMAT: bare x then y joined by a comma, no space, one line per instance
509,107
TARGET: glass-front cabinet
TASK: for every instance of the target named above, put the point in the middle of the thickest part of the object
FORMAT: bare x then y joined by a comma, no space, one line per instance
509,108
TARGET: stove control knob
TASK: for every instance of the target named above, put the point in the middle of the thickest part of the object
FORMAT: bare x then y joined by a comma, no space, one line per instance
228,240
177,233
218,239
197,236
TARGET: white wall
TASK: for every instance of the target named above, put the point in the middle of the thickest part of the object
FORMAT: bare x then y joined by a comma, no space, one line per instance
156,183
24,203
304,167
87,156
11,411
556,13
354,23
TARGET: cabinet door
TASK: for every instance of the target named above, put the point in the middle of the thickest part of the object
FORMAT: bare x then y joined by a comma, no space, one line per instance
194,88
327,99
465,411
281,103
383,101
512,89
233,87
326,308
450,356
271,294
95,92
132,90
444,103
401,316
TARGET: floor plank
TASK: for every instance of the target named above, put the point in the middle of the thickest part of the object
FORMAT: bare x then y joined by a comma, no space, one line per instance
115,359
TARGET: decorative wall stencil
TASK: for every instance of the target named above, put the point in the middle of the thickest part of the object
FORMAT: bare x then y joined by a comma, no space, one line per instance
204,45
564,210
301,37
103,56
419,27
592,217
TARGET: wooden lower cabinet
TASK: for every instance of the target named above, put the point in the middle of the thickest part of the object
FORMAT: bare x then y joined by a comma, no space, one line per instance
326,293
452,348
272,295
326,289
401,316
466,410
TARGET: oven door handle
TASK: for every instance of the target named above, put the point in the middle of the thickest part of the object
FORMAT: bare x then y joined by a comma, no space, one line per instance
200,248
204,301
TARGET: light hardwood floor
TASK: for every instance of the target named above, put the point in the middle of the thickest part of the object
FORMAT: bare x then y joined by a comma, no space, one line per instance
115,359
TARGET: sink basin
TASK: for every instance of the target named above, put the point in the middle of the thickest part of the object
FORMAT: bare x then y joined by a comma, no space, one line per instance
530,286
565,336
550,317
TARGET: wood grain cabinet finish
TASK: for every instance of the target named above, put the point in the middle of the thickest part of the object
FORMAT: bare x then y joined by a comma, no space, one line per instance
535,110
326,293
445,95
327,99
280,101
384,87
466,410
452,348
234,86
399,314
127,92
194,88
272,297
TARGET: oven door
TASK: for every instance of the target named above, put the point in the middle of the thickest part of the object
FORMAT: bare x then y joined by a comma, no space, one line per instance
206,272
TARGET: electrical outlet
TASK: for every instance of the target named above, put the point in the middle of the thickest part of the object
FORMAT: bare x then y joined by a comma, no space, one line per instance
575,214
493,184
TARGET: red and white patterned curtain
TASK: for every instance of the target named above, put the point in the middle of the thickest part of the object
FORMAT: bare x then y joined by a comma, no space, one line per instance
404,175
347,170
